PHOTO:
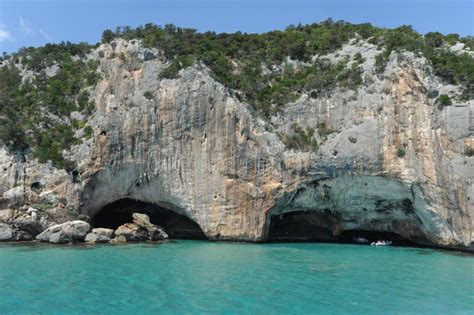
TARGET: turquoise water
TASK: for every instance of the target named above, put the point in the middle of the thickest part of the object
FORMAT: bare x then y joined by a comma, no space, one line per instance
207,277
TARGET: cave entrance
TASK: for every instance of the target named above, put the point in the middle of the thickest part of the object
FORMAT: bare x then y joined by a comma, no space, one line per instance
301,226
120,212
356,236
312,226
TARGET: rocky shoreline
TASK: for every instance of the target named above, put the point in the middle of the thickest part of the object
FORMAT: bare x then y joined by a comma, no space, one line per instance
29,226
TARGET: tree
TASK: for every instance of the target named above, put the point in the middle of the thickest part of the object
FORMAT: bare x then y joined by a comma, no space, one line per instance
434,39
107,36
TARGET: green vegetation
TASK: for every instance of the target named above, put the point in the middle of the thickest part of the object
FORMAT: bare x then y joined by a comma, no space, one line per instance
358,58
444,100
88,132
303,140
180,62
41,207
266,70
452,68
35,114
237,60
300,139
324,131
401,151
148,95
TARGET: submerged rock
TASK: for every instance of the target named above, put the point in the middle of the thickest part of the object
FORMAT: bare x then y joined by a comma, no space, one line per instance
68,232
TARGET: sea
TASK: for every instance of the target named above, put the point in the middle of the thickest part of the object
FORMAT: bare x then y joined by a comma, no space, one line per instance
203,277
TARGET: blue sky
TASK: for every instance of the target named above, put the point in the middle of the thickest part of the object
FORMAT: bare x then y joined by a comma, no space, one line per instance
33,23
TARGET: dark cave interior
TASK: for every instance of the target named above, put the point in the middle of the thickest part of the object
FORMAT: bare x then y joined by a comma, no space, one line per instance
120,212
311,226
301,226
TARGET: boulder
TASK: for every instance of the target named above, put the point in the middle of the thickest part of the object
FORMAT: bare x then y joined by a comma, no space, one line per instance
18,226
141,219
6,232
11,233
158,234
104,231
28,223
132,232
118,239
68,232
99,235
141,230
96,238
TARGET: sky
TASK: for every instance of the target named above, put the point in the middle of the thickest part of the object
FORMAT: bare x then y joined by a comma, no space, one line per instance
25,23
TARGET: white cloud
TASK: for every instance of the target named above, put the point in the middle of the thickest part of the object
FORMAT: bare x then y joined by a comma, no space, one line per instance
5,34
45,35
25,26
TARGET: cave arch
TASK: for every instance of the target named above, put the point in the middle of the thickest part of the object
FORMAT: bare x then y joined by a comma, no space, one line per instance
119,212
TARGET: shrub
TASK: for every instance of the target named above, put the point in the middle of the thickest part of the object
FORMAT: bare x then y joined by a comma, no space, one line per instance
300,139
148,95
324,130
444,100
180,62
401,151
88,132
358,58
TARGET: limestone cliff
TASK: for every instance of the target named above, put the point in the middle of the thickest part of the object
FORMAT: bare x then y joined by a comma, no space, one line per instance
392,161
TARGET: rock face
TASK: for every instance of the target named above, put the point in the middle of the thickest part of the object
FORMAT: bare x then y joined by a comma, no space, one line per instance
141,230
393,161
68,232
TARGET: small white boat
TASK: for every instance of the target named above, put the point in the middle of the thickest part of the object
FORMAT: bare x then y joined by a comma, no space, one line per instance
381,243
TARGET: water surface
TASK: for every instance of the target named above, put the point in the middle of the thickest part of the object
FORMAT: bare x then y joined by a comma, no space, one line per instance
208,277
